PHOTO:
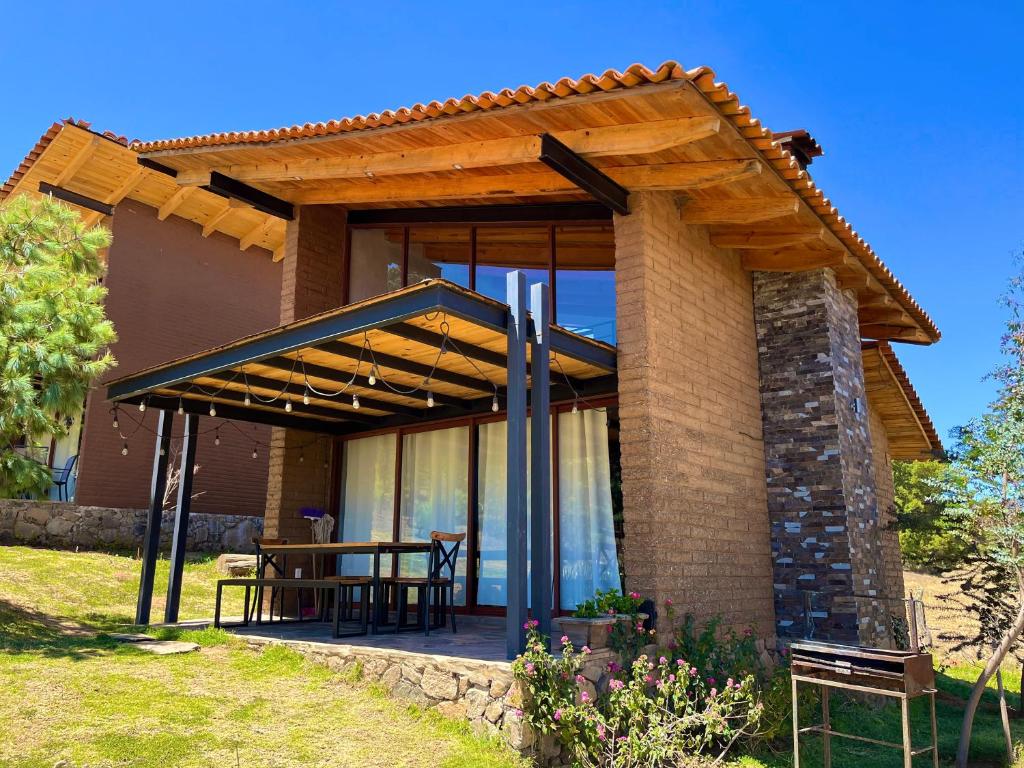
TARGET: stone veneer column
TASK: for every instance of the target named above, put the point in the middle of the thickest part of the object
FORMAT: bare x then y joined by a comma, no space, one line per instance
311,282
695,512
820,473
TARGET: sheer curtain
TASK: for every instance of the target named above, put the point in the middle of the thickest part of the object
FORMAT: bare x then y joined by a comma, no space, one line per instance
367,497
587,529
435,494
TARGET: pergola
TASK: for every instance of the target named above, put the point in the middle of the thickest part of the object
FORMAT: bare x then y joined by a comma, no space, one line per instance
427,352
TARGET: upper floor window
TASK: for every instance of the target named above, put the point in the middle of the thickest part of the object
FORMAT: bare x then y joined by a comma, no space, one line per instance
577,261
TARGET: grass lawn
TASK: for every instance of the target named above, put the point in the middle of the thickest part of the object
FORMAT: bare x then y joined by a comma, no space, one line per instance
72,694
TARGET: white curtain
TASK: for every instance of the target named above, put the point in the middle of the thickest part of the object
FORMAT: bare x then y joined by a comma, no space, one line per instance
435,494
367,497
587,529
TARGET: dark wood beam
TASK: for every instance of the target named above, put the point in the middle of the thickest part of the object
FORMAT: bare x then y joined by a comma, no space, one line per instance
483,214
257,198
76,199
153,165
599,185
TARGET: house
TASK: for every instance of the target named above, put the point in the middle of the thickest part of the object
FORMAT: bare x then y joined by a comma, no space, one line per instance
719,370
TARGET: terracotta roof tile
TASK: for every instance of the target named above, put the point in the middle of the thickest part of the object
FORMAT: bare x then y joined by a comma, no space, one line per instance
889,355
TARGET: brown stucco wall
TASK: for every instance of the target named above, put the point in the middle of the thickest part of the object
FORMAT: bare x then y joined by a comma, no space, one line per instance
693,472
173,292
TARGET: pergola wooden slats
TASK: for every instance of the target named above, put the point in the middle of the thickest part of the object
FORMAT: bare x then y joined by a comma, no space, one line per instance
432,318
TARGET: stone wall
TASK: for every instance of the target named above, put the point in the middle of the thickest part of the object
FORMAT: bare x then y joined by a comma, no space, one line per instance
892,560
695,512
64,525
826,542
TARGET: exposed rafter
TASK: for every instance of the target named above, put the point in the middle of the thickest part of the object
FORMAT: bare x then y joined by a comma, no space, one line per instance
745,238
175,201
739,211
792,260
82,201
76,163
257,198
251,237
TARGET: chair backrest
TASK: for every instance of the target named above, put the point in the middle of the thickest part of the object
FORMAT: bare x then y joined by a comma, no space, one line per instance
444,553
69,466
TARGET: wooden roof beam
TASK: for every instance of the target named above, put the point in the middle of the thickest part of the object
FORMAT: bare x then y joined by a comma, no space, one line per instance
739,211
665,176
766,239
631,139
79,159
792,260
82,201
894,332
175,201
250,238
875,314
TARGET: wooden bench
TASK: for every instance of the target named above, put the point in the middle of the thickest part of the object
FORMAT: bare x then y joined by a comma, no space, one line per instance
280,584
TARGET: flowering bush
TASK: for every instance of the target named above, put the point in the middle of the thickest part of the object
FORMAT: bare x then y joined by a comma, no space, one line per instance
658,711
609,603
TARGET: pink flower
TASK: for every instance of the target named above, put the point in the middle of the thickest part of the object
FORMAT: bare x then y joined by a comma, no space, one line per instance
564,640
584,696
693,671
671,678
663,660
581,679
668,602
648,678
601,732
711,681
530,667
531,624
519,713
639,626
658,683
680,662
586,649
728,683
613,667
616,685
558,715
611,611
610,627
712,693
635,595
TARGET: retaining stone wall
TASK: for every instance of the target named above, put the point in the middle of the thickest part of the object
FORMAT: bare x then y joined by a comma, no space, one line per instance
60,524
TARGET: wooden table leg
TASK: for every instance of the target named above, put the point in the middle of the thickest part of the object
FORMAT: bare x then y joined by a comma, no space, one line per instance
376,591
796,727
825,721
908,757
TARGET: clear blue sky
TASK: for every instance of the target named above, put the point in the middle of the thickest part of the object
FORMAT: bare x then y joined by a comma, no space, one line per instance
919,106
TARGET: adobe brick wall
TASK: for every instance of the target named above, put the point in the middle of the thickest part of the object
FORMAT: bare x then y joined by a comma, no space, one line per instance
312,282
826,540
892,585
173,292
693,467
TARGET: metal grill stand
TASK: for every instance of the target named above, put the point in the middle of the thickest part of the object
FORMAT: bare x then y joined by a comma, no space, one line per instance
902,675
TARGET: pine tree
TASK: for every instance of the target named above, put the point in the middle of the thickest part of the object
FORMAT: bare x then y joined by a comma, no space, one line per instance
54,335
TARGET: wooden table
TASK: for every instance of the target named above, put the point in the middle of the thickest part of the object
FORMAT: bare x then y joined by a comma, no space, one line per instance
375,548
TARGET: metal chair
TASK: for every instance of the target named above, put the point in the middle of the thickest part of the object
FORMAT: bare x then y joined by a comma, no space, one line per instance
61,478
435,591
258,541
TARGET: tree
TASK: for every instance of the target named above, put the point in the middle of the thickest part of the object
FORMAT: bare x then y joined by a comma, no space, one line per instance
987,507
927,538
54,336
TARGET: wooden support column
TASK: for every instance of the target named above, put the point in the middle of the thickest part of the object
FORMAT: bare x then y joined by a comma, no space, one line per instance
540,476
181,515
151,544
515,613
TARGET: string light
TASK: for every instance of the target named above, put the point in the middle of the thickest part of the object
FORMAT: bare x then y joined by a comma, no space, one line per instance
142,406
181,408
287,406
213,409
305,397
302,456
373,375
254,453
355,402
494,404
430,399
575,407
248,400
124,448
113,412
216,436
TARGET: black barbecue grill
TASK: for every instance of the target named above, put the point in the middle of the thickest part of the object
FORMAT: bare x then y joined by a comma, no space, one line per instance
903,675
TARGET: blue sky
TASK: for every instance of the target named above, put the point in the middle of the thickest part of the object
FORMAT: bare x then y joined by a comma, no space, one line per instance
919,107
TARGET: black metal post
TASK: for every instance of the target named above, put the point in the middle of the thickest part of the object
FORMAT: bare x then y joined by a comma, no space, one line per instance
151,544
515,503
540,470
181,514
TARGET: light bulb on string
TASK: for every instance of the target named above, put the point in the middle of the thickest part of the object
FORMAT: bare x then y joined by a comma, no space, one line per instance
373,375
355,402
213,409
430,399
216,437
287,406
494,404
302,458
254,452
248,400
124,448
181,408
575,407
114,424
305,397
142,406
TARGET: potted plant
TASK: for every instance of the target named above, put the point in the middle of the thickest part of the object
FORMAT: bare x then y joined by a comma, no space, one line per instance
592,621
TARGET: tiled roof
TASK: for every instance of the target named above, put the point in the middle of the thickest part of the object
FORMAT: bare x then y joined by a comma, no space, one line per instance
718,94
889,355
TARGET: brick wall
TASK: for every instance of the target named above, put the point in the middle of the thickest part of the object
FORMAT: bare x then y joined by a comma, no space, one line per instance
826,542
312,282
695,512
891,586
173,292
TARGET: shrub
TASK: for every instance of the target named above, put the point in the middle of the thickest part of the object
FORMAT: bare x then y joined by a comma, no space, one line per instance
608,603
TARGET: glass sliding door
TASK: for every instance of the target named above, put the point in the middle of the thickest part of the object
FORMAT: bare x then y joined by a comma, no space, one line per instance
435,494
587,554
367,497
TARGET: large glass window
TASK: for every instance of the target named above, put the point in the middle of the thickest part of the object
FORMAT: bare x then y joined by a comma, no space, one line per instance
585,280
439,251
500,250
375,266
435,494
367,497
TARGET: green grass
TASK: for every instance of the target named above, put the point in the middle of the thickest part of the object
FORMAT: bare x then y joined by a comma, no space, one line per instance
70,693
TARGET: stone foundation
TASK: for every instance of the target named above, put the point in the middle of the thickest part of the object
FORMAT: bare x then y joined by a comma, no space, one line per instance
60,524
482,692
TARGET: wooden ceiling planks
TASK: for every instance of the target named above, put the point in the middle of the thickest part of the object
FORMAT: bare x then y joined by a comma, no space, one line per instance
891,396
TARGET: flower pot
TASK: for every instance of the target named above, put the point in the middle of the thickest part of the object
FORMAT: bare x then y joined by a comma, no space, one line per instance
589,632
